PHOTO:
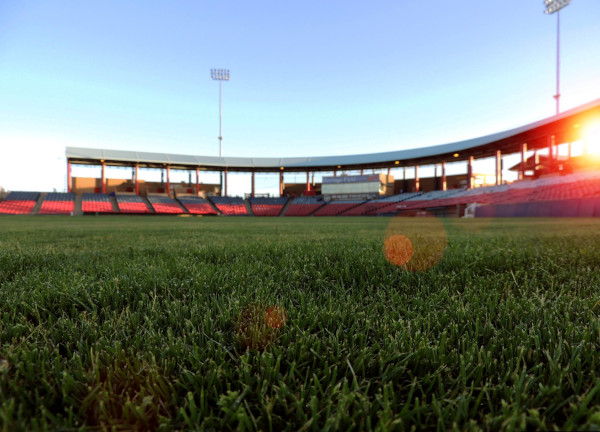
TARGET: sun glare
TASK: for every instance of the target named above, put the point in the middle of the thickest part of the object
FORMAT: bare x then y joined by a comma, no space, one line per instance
592,138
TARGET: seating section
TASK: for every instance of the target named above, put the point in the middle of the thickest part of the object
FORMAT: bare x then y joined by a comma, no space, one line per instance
304,206
19,203
96,203
379,206
197,205
58,204
133,204
232,206
267,206
335,208
165,204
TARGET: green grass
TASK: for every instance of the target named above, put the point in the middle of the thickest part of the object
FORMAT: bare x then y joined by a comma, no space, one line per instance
124,323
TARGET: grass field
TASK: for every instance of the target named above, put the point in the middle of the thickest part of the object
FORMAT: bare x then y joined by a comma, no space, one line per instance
127,323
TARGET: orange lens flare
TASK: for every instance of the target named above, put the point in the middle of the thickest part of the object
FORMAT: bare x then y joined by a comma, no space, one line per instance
415,243
275,317
258,326
398,249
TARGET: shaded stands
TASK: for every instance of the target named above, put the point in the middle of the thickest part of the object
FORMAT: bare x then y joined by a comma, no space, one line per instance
164,204
267,206
58,204
573,195
133,204
334,208
19,203
197,205
96,203
230,206
379,206
304,206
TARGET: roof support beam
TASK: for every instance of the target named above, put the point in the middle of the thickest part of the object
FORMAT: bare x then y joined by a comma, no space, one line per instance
523,160
103,177
137,179
417,178
69,179
197,181
470,161
498,167
444,185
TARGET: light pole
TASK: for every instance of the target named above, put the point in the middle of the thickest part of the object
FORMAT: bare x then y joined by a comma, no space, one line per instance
220,75
553,6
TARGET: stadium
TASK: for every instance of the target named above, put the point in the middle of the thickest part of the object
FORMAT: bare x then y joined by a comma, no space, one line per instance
553,181
453,286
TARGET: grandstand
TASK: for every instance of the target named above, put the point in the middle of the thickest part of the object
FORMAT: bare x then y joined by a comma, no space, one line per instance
96,203
544,176
304,206
163,204
19,203
267,206
134,204
232,206
58,204
196,205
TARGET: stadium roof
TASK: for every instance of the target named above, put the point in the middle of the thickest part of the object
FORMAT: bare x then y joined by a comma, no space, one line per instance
565,128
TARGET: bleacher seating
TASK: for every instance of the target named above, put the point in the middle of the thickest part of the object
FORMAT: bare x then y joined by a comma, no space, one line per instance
379,205
58,204
304,206
96,203
197,205
267,206
165,204
133,204
335,208
232,206
19,203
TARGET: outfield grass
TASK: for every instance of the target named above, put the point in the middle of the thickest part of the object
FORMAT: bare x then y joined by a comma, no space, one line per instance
133,323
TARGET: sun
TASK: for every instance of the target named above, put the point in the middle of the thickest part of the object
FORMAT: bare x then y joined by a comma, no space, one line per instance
591,135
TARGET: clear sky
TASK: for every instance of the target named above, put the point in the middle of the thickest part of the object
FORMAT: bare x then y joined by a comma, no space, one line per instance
307,78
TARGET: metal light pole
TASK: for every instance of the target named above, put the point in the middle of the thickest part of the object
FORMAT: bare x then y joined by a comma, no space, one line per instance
553,6
220,75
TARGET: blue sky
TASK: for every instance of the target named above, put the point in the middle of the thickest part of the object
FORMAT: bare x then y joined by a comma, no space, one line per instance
307,78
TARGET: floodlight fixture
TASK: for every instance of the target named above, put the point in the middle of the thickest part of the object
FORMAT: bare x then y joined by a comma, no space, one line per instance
220,75
553,6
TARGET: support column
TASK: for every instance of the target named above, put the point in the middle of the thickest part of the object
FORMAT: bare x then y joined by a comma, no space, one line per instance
551,143
498,167
404,180
137,179
389,171
335,173
224,183
252,191
417,178
280,183
103,178
197,181
569,150
470,172
362,171
444,184
307,181
168,180
69,184
523,160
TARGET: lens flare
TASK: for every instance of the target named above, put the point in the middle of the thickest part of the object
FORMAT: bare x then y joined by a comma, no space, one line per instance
398,249
258,326
416,244
275,317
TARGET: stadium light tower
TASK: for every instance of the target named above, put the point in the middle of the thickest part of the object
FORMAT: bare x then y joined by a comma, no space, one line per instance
220,75
553,6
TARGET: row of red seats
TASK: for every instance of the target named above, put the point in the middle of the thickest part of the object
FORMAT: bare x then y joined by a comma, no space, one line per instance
16,207
167,208
133,207
232,209
266,209
96,207
334,209
302,209
57,207
200,209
